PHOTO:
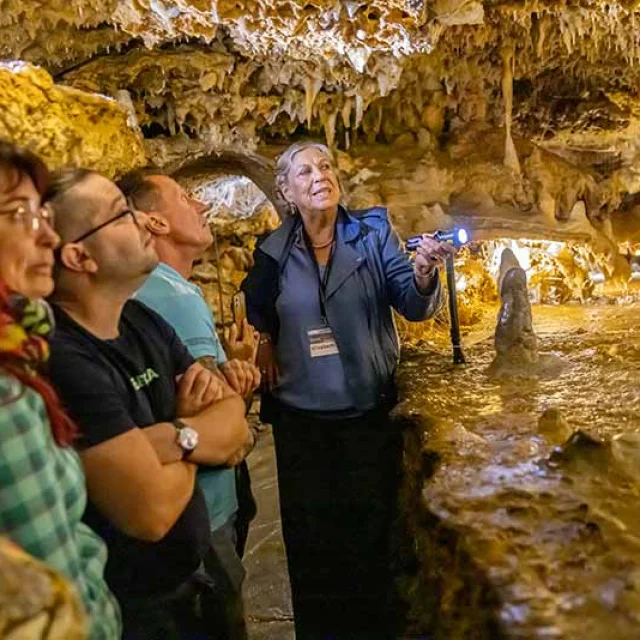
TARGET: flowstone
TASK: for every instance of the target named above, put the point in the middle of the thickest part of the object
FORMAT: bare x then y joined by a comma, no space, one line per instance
503,538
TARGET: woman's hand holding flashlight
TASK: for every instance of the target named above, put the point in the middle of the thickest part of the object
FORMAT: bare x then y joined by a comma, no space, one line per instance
430,254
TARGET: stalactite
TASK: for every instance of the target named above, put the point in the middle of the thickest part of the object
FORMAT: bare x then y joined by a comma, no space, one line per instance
346,113
510,155
329,124
359,110
374,66
312,87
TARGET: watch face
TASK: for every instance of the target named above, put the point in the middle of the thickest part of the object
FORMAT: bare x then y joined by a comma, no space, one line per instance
188,438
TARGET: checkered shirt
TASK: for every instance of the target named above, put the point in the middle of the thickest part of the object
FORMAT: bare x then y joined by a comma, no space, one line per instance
42,500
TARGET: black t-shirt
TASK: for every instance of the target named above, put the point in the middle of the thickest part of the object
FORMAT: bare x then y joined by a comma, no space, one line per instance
110,387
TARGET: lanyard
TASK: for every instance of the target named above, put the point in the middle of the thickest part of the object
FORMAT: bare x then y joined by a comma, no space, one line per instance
322,280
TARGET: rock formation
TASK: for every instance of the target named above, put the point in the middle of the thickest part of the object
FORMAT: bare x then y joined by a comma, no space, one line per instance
64,125
36,602
515,341
553,426
617,457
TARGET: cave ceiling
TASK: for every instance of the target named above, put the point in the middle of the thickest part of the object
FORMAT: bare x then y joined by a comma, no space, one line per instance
539,100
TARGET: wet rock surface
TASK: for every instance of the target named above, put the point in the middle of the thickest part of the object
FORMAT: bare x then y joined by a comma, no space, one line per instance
510,535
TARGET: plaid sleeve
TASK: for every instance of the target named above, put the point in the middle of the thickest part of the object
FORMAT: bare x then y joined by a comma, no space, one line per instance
32,502
42,498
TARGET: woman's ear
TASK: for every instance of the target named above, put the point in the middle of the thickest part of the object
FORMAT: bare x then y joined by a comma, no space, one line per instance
158,225
286,193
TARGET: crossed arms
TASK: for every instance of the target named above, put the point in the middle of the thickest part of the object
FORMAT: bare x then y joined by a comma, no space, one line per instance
138,479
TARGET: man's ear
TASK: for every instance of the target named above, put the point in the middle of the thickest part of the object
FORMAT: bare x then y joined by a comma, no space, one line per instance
76,258
158,225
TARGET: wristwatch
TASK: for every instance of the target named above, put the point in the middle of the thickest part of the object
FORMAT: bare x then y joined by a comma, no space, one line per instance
186,438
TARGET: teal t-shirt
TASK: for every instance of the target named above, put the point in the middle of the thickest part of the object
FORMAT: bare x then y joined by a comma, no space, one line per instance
183,306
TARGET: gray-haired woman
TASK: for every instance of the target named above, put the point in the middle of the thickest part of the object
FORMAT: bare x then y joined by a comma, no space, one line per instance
321,293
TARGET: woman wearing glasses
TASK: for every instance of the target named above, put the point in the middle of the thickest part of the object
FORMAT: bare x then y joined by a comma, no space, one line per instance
42,488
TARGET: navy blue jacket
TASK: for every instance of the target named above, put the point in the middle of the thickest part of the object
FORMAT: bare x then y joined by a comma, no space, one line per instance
370,274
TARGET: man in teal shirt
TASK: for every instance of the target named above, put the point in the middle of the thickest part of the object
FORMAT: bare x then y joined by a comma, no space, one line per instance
182,305
182,234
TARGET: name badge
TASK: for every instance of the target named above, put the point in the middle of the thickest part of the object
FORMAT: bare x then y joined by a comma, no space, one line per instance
322,343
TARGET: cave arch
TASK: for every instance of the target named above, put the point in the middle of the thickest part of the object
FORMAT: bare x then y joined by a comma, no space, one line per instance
258,168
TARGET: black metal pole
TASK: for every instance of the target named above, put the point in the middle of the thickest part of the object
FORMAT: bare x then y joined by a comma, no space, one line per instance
458,356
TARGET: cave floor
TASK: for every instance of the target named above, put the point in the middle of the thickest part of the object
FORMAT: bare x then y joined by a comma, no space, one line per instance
541,526
266,592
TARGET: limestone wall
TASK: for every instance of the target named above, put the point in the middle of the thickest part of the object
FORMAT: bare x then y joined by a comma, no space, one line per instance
64,125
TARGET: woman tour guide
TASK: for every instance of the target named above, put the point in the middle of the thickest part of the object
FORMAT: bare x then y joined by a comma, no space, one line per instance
321,293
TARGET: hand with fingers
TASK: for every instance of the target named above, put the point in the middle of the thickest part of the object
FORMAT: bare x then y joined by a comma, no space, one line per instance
240,343
197,389
267,363
430,255
243,377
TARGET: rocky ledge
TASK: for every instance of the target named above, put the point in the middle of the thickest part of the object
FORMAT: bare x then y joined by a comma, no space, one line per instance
507,534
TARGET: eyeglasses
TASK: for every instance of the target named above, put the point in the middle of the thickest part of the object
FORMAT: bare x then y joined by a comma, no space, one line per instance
31,216
127,212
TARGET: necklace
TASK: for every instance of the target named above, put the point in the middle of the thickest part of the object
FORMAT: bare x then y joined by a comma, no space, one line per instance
322,245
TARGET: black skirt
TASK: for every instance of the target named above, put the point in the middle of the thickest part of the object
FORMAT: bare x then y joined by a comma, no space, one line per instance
338,481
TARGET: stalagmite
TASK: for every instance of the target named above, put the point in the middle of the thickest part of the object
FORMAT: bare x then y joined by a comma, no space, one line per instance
515,342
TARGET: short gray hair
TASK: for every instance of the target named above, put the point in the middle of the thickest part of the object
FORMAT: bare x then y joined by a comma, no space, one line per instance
285,159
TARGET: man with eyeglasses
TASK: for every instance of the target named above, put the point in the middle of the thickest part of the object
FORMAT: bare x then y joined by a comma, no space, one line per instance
145,410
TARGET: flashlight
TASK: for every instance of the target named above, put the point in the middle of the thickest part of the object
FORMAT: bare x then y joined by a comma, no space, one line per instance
457,237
